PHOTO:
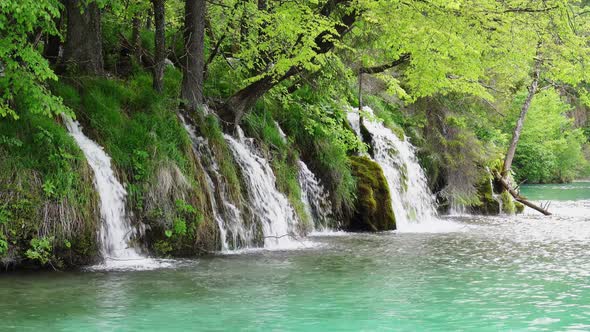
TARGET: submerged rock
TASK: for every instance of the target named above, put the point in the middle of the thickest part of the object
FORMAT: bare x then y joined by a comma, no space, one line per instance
373,210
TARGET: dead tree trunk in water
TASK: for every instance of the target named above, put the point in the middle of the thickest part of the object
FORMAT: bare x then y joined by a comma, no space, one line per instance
520,123
160,44
503,178
517,196
83,47
193,62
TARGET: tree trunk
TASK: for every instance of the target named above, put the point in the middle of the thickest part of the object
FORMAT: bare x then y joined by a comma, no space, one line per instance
520,123
193,62
503,178
360,91
234,108
517,196
83,47
51,49
160,43
136,38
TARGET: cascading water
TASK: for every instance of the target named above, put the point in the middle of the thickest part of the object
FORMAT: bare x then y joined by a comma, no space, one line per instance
457,209
315,199
412,202
115,230
271,208
234,233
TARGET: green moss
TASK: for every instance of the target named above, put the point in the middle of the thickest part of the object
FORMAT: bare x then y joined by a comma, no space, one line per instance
373,210
508,205
485,191
519,207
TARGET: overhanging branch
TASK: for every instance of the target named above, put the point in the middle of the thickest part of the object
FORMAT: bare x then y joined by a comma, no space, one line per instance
404,58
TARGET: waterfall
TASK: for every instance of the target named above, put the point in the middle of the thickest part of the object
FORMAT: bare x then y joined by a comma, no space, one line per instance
496,197
315,199
115,230
457,209
412,202
281,132
274,214
233,232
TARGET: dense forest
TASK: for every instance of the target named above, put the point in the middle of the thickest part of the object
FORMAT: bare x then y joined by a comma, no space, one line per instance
491,93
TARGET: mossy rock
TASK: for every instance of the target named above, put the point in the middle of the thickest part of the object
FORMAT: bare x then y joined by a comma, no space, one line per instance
519,207
508,205
373,210
485,192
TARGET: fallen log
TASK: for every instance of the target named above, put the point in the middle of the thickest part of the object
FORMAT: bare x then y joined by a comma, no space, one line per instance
517,196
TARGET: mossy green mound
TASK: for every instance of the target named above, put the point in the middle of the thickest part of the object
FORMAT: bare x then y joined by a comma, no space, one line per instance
373,210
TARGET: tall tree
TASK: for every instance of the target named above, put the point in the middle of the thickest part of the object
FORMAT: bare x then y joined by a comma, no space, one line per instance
532,90
160,45
83,47
193,62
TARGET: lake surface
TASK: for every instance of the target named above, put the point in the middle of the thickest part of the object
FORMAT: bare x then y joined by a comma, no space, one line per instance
560,192
494,273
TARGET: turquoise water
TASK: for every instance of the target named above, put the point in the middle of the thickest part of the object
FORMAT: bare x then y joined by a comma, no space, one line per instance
561,192
497,273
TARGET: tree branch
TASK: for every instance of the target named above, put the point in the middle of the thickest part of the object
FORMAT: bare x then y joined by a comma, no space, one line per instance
530,10
404,58
517,196
213,55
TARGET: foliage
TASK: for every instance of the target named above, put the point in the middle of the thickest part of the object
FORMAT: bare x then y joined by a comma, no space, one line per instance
467,65
318,126
550,148
23,70
45,183
41,250
151,151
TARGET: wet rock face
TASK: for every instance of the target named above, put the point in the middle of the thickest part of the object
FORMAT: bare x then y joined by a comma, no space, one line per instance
373,211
